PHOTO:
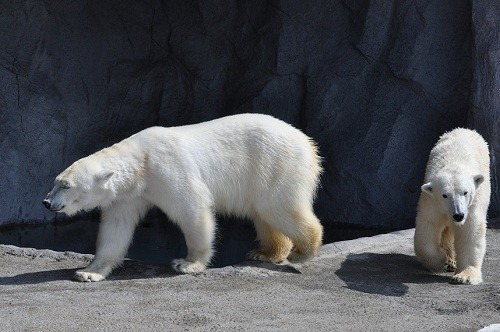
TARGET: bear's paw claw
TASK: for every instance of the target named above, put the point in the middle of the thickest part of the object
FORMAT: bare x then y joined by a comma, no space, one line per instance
466,279
451,265
257,255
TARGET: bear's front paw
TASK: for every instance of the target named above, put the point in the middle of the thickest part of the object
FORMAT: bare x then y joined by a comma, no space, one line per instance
182,266
469,276
451,265
86,276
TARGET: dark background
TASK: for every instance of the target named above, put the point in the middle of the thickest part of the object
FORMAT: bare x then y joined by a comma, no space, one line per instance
375,83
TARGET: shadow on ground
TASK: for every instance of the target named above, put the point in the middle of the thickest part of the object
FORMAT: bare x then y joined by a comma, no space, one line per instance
130,270
284,268
38,277
385,274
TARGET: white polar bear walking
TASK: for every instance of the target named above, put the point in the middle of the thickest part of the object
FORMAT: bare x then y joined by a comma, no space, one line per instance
450,230
247,165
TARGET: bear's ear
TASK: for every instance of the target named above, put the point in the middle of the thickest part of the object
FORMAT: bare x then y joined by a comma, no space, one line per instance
104,176
427,188
478,179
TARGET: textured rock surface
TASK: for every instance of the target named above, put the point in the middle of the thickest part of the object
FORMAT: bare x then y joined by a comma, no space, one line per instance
484,113
375,83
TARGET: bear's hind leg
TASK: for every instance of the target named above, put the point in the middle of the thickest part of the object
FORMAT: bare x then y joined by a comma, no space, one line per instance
273,245
199,233
303,228
307,237
116,230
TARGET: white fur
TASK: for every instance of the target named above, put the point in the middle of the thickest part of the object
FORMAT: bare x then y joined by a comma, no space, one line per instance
247,165
457,182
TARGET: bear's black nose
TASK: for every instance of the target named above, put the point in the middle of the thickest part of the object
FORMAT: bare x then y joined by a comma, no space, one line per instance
458,217
46,203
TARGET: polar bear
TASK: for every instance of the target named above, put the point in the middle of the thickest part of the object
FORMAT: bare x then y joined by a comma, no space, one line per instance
247,165
450,227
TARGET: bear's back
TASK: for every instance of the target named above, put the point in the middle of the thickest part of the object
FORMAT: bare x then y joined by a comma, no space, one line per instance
254,136
460,149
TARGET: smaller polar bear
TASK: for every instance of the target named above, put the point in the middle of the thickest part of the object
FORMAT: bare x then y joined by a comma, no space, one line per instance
450,230
247,165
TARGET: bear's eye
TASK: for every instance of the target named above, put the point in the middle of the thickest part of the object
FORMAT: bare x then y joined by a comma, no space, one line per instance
465,193
65,186
445,196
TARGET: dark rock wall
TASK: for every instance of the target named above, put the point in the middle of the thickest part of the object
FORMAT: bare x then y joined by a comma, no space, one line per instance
374,82
484,109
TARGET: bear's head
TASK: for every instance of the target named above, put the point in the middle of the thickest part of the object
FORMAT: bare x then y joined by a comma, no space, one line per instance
82,186
454,193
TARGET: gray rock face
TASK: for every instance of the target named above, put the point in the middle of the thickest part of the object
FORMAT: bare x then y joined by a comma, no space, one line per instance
484,112
374,83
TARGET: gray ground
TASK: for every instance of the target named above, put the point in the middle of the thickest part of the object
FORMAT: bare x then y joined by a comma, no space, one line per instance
369,284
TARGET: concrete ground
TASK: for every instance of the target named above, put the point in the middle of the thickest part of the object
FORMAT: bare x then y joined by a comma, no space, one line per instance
368,284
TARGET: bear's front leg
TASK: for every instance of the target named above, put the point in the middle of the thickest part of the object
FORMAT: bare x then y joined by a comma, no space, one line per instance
117,227
427,244
199,232
470,246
